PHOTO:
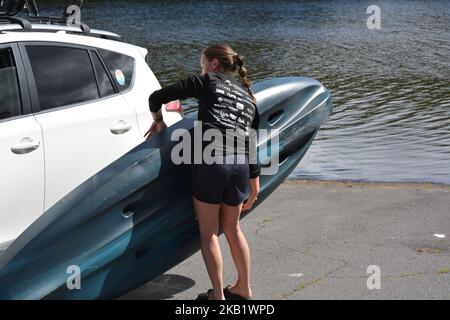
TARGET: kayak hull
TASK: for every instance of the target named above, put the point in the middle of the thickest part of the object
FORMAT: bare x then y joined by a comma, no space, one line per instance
134,220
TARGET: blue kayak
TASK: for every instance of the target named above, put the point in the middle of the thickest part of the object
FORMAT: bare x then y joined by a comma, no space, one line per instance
134,220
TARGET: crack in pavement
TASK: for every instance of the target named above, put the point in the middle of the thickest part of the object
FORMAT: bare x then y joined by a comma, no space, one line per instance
342,263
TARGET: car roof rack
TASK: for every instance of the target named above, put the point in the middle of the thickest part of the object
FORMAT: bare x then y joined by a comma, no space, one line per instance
68,29
9,19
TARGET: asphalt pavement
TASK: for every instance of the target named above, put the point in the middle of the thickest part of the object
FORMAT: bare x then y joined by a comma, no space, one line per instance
334,240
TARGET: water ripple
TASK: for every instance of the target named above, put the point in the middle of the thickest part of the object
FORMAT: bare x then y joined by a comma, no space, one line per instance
391,87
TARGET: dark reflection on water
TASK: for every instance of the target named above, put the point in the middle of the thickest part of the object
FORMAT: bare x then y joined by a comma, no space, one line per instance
391,87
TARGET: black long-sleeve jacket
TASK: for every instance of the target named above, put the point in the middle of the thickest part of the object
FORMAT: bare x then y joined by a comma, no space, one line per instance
224,104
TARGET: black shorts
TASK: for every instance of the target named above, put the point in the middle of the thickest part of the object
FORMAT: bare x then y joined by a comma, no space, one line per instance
216,183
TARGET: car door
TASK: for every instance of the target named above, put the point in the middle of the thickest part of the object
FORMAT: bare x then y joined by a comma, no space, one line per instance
86,123
21,151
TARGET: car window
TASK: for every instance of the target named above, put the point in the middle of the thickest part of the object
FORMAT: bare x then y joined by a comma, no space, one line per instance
10,101
121,67
105,86
63,75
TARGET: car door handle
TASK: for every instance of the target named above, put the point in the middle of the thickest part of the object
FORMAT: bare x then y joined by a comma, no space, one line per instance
26,145
121,127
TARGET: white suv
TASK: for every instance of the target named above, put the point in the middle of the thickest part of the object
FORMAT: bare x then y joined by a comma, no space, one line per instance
70,104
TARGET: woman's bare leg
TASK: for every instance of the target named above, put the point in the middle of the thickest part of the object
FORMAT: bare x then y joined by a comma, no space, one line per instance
208,220
229,222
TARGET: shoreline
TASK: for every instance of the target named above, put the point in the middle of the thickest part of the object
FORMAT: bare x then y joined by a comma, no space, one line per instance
380,184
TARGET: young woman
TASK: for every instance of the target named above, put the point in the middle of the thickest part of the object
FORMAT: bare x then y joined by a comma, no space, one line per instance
219,189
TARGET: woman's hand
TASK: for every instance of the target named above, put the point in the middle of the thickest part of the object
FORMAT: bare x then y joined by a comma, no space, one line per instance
157,126
254,184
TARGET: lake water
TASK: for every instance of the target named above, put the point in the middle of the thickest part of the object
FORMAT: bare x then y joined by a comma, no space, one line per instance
391,87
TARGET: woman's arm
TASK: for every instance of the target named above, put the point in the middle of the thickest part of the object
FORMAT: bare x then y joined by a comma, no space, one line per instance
254,168
252,147
190,87
254,185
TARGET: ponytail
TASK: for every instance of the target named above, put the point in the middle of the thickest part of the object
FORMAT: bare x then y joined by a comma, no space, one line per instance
246,82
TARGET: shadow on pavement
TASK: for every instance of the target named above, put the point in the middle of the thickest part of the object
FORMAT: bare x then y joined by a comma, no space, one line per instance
163,287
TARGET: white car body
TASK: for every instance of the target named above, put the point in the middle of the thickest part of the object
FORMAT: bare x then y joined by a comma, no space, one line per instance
68,143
